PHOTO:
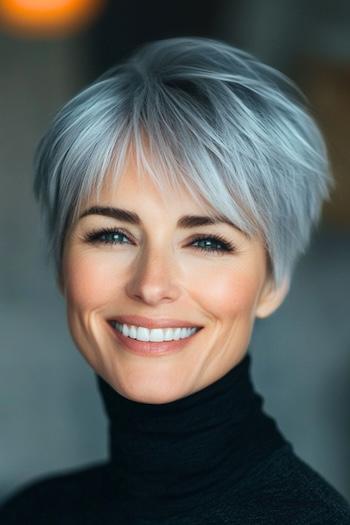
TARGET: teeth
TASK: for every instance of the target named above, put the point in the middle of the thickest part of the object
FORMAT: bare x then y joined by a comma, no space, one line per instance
155,334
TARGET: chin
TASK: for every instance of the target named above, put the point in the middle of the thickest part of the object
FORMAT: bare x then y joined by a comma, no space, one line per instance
143,389
154,398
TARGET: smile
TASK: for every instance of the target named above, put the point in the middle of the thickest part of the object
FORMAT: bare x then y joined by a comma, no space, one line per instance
141,333
165,340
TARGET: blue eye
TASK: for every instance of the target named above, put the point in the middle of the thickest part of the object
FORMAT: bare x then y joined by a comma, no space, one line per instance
106,236
210,243
218,241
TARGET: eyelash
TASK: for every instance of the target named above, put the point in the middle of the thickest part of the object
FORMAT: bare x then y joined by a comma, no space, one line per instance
95,237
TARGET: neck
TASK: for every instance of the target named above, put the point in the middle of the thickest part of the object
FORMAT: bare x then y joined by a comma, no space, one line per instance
166,458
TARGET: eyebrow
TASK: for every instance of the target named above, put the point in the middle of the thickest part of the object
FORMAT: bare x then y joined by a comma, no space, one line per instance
185,222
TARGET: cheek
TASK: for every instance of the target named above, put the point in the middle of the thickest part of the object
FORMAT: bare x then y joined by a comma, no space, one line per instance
89,281
230,292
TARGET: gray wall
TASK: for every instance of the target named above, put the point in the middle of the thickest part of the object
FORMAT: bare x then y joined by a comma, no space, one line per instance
48,402
50,414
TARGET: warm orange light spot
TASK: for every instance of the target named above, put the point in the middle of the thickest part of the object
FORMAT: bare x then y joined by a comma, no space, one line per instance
48,17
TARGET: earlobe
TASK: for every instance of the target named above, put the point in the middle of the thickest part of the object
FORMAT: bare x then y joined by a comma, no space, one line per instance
271,298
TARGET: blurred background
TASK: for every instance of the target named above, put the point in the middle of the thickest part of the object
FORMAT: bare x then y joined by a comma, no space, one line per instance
51,416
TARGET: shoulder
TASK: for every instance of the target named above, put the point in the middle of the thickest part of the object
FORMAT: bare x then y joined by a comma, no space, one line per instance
51,499
288,490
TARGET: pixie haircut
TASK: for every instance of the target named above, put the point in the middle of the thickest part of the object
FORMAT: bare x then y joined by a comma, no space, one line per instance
198,114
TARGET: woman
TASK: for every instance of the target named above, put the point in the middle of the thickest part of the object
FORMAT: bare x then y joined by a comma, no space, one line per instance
179,190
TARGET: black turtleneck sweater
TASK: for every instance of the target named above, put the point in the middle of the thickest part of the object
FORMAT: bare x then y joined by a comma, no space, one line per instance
213,457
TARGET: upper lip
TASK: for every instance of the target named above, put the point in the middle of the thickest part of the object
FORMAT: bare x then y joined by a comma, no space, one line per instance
161,322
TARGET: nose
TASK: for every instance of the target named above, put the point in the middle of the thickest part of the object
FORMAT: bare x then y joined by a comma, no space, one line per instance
155,278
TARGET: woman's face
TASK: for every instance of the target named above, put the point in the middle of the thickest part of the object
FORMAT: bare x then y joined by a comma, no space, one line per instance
158,269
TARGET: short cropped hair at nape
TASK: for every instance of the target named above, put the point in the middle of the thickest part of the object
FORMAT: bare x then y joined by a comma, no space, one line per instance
199,114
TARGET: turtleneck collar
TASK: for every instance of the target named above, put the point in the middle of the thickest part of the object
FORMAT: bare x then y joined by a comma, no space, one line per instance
168,458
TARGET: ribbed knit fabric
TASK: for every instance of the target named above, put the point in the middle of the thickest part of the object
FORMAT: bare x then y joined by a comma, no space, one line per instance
212,457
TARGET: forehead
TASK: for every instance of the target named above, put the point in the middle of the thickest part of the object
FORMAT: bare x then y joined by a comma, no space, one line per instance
135,188
133,196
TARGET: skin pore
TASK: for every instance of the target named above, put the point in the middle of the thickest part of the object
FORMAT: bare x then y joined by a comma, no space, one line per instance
157,269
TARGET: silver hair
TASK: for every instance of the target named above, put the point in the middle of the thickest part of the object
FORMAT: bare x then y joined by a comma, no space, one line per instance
200,114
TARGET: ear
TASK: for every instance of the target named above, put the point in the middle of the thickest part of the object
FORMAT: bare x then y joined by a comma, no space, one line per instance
271,297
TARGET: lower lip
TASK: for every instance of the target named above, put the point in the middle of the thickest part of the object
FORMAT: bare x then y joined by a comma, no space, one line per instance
146,348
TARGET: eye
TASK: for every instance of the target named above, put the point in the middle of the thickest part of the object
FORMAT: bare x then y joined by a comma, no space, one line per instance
210,243
106,236
207,240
